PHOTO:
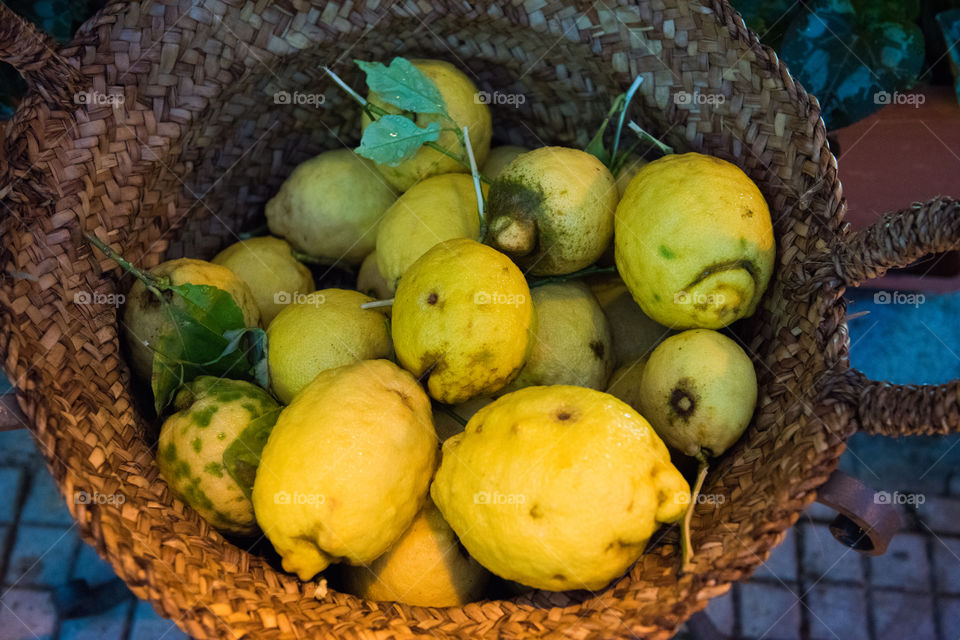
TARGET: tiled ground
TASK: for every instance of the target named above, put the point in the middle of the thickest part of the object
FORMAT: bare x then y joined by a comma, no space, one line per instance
811,587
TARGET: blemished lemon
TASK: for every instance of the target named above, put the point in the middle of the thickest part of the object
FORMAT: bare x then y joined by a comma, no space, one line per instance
268,267
323,330
426,567
331,205
436,209
699,390
209,450
461,320
557,487
460,96
551,210
145,318
571,343
694,241
346,468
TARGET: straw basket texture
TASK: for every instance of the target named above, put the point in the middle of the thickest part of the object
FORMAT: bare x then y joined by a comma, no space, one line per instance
199,143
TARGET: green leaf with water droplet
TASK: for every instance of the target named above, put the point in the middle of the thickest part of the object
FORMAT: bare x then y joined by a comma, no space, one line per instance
404,86
392,139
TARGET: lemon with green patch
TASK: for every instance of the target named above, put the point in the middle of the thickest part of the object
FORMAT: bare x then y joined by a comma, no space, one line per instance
551,210
694,241
462,318
464,109
209,450
346,468
557,487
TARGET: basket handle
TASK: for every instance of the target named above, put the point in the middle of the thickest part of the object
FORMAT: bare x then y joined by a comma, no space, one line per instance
895,240
34,54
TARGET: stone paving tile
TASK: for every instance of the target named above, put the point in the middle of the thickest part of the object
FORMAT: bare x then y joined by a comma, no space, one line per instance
837,612
721,612
903,615
946,564
40,556
782,563
149,625
44,504
823,555
108,625
11,479
941,515
91,567
950,618
904,565
25,613
768,611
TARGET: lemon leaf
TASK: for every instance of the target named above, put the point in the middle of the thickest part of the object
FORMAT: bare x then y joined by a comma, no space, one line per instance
404,86
392,139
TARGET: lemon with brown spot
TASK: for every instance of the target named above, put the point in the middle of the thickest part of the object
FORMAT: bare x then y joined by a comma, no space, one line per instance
557,487
461,320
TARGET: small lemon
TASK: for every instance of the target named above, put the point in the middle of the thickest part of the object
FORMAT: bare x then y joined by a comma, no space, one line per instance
634,333
370,281
426,567
346,468
462,318
694,241
330,206
210,449
625,382
436,209
699,390
557,487
268,267
325,329
571,343
460,97
499,158
551,210
145,318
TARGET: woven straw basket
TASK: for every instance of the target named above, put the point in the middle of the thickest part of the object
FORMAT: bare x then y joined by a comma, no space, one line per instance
199,145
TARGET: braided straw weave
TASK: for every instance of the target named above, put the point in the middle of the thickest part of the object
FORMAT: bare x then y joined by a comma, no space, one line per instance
199,144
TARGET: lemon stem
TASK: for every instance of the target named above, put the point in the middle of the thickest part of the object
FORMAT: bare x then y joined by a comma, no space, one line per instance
343,85
623,114
685,542
665,148
375,304
582,273
476,180
152,283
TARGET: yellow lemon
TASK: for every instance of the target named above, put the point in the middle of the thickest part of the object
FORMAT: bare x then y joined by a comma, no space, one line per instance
694,241
330,206
346,468
426,567
464,107
268,267
145,318
461,320
625,382
634,334
499,158
319,331
557,487
370,281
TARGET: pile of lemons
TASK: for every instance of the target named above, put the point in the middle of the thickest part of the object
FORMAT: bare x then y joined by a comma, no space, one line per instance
497,395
